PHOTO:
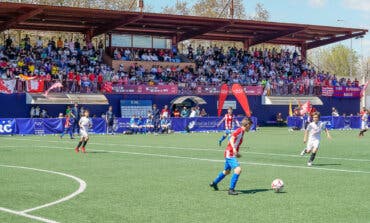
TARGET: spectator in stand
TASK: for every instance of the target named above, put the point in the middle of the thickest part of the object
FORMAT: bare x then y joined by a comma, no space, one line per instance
165,112
32,112
203,113
184,112
44,114
176,113
334,112
149,124
193,113
165,125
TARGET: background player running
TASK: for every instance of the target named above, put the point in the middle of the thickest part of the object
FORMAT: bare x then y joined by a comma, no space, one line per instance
85,124
364,120
229,120
313,132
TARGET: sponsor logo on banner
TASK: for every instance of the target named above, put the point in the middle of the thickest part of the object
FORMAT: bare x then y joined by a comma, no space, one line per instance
142,89
249,90
327,91
6,126
347,92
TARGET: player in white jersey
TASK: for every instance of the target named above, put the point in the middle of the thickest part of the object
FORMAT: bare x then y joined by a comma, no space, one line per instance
313,133
364,122
85,124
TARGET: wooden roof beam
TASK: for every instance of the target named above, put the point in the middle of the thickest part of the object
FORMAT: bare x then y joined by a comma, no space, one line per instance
266,38
323,42
116,24
201,31
20,18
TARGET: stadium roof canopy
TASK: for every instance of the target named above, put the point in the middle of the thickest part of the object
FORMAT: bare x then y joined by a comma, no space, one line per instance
94,22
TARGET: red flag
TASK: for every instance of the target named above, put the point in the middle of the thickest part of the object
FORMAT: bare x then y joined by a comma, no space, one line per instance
221,99
242,98
107,87
363,90
55,85
7,86
35,85
306,108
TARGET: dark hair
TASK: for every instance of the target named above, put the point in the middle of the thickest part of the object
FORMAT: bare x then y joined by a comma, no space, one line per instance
246,122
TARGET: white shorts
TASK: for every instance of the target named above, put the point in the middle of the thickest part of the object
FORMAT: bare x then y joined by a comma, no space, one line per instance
364,125
83,133
312,144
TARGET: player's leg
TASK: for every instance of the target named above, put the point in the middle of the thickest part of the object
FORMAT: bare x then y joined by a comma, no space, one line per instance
221,175
235,177
70,132
223,137
77,149
64,132
86,138
315,149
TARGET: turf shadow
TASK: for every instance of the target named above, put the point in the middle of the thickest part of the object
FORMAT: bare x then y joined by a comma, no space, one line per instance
327,164
96,152
253,191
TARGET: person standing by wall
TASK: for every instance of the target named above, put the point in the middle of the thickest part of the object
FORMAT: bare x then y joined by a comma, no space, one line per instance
109,118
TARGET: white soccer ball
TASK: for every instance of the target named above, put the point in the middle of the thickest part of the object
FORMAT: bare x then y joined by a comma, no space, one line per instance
277,185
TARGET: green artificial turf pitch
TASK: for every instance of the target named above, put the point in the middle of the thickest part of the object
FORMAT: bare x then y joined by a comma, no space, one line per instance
164,178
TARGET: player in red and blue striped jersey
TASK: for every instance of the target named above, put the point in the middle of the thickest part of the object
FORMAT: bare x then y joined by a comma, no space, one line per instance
230,154
229,119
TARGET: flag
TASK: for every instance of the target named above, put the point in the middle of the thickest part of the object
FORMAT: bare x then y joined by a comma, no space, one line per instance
7,86
306,108
290,109
363,90
35,86
107,87
221,99
55,85
242,98
26,78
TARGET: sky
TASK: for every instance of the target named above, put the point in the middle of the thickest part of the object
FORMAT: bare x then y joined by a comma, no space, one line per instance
342,13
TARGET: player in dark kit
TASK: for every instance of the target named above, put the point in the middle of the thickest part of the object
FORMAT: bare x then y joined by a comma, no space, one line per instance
109,118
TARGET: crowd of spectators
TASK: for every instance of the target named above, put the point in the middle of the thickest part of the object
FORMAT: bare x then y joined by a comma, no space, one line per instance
163,55
81,69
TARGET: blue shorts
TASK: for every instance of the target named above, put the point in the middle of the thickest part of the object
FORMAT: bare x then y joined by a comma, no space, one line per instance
231,163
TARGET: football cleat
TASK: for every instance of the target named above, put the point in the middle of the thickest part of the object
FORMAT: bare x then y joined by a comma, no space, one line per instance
232,192
215,187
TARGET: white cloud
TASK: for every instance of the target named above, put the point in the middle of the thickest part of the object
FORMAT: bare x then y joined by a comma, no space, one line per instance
317,3
361,5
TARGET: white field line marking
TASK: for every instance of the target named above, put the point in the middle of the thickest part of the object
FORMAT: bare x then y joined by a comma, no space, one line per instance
212,160
27,215
81,188
200,149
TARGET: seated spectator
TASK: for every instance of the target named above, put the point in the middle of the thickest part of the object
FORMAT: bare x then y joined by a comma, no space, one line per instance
203,113
279,119
165,125
334,112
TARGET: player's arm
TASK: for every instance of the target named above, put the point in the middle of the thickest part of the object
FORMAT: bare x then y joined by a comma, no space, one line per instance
237,122
327,133
305,136
223,119
231,140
